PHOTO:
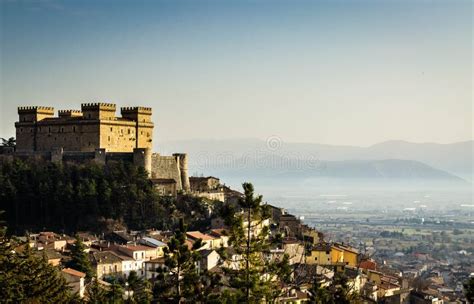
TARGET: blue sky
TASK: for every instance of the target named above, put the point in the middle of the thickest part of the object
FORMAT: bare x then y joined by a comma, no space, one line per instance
337,72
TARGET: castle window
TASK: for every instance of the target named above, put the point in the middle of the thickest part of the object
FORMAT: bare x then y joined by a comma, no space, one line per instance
141,132
49,129
128,131
111,129
73,129
109,138
62,130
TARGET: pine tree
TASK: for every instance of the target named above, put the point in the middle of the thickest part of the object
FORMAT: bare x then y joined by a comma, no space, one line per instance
256,278
95,293
25,277
115,292
181,263
141,289
80,259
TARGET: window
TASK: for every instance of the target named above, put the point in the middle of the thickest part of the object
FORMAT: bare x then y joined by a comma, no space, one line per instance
62,130
128,131
73,129
21,130
108,138
49,129
110,129
141,132
143,255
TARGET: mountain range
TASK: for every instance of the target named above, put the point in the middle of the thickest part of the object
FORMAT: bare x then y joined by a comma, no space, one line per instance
275,157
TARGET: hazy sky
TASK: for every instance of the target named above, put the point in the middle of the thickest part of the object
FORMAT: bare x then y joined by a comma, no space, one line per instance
336,72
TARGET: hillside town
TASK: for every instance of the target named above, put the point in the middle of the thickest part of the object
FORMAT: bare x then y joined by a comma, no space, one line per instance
116,255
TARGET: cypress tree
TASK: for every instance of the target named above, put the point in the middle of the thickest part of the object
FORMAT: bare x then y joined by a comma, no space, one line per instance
80,259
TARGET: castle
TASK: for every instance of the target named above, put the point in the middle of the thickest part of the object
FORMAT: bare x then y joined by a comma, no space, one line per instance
94,133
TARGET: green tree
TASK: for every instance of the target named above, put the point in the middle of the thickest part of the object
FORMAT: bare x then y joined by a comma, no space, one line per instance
141,289
256,277
95,293
180,279
27,278
80,259
339,291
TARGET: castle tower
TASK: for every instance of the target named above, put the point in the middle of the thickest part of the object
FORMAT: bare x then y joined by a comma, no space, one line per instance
143,124
142,158
26,127
98,111
182,161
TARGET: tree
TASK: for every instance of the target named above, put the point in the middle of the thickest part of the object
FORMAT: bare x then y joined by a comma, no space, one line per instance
95,293
256,277
180,278
339,291
80,259
469,290
11,142
140,287
25,277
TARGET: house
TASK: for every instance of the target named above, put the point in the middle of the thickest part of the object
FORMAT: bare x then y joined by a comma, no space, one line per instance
154,243
75,280
209,259
290,225
221,235
320,254
153,266
50,240
52,256
349,255
204,184
293,296
129,265
294,249
106,263
139,252
208,241
119,237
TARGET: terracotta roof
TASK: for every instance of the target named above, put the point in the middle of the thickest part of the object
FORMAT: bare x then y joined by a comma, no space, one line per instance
199,235
74,272
368,265
218,232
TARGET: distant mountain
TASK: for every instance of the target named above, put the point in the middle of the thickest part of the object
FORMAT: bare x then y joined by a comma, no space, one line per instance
392,159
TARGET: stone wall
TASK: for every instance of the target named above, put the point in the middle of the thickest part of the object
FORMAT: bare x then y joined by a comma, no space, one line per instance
166,167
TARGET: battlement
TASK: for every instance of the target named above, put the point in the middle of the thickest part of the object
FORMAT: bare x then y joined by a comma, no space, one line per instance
141,110
35,109
69,113
96,106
